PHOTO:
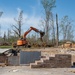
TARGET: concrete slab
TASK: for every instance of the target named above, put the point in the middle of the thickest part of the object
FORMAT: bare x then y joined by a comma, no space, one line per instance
3,50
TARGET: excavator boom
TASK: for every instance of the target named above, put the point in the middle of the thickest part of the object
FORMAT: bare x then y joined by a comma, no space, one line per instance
24,36
36,30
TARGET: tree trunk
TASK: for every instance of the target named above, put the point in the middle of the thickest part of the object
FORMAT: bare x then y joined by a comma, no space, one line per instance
57,31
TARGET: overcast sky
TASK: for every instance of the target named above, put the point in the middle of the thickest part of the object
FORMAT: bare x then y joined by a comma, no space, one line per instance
32,12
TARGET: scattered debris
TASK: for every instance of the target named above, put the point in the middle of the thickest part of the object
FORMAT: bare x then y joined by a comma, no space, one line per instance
15,70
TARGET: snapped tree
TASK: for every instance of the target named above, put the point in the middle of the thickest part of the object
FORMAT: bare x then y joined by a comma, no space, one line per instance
48,5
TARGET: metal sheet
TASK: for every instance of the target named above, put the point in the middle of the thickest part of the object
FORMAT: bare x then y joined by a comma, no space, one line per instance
27,57
13,60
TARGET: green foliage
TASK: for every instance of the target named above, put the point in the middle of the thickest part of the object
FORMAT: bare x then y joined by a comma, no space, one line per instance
3,47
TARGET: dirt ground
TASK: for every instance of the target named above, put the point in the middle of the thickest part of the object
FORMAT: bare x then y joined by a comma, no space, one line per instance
24,70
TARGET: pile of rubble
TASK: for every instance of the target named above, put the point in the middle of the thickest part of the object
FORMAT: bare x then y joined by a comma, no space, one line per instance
33,58
6,55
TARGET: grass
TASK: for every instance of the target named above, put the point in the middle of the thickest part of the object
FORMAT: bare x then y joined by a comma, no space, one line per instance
3,47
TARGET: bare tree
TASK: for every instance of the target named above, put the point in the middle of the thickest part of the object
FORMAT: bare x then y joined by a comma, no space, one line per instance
53,28
9,33
48,5
70,31
17,28
66,28
4,37
57,31
1,13
0,25
0,30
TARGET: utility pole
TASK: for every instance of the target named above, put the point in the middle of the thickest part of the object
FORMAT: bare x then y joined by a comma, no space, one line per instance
57,31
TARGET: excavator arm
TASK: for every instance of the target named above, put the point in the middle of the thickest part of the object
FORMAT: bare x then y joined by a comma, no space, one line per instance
36,30
25,34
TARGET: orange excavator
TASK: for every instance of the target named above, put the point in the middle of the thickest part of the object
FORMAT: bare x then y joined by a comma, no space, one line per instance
24,42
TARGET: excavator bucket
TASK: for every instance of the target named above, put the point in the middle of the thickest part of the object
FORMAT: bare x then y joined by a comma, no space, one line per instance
41,35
